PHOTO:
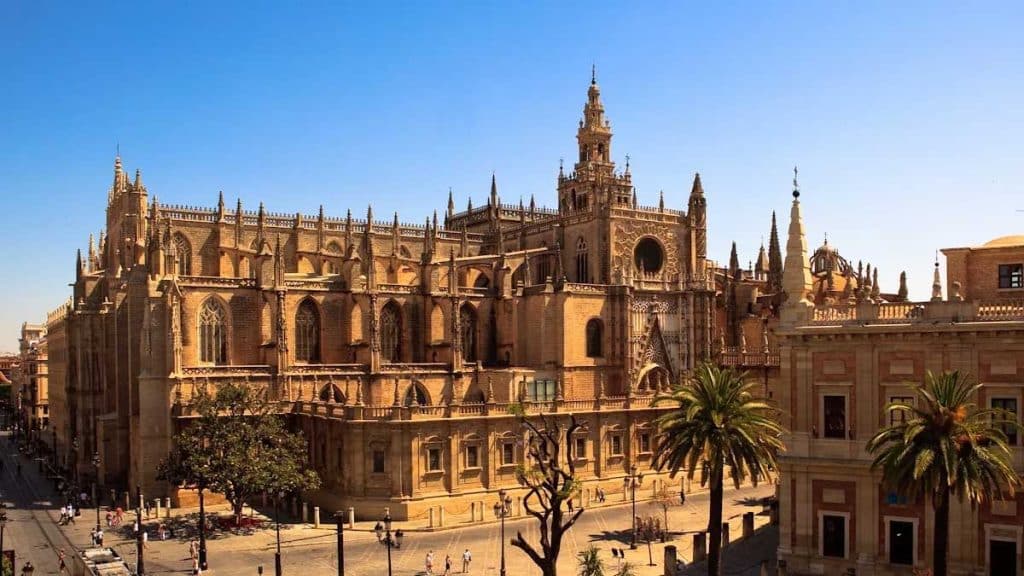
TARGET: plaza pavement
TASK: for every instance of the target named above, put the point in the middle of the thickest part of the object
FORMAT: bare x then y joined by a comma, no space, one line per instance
311,551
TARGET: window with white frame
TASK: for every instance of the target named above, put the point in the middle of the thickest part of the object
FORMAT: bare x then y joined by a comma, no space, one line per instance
616,444
1010,406
834,416
900,536
833,535
472,456
508,453
645,442
434,459
899,416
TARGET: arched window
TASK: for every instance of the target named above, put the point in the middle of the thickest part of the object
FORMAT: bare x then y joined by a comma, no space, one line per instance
482,281
594,334
213,348
416,394
391,333
183,253
582,262
307,333
467,330
331,392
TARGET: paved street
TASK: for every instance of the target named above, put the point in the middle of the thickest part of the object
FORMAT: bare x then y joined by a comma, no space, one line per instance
34,534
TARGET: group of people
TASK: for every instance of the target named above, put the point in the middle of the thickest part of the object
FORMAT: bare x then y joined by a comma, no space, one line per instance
467,559
97,536
67,514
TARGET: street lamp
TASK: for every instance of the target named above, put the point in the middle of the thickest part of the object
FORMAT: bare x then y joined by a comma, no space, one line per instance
74,461
277,520
96,478
3,523
631,482
339,518
384,535
140,566
503,509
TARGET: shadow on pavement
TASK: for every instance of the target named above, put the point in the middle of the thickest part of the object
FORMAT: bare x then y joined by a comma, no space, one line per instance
743,557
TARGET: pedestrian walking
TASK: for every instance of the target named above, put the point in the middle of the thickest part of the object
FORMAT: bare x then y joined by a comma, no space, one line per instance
92,536
430,562
161,531
145,539
447,565
99,537
467,558
192,549
62,563
195,566
379,530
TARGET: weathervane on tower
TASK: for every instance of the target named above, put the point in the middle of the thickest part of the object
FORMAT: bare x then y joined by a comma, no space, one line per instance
796,185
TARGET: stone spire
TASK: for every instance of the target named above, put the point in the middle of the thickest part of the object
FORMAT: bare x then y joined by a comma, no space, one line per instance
451,204
936,282
761,266
876,291
734,261
494,190
698,216
774,260
902,294
796,277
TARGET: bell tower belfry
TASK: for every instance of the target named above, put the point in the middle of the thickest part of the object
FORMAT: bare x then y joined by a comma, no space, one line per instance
593,181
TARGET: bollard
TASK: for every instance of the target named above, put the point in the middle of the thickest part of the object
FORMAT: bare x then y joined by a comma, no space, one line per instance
430,517
748,524
351,517
670,560
167,507
440,521
158,507
472,511
316,516
764,568
700,551
725,534
128,501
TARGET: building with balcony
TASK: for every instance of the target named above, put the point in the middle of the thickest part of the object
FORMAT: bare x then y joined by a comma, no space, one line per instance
844,356
31,384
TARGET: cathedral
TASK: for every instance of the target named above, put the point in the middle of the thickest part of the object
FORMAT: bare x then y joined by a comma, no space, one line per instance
395,348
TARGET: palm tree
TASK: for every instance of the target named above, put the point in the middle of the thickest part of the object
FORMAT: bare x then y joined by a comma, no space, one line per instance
945,446
719,422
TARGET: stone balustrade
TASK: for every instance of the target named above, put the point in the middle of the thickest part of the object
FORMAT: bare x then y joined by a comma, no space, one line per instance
889,313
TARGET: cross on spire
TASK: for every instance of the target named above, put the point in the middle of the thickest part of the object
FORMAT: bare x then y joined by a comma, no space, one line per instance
796,185
593,73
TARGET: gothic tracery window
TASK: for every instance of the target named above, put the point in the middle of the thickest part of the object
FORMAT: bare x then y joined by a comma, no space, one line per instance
307,333
467,329
212,333
184,255
582,262
391,333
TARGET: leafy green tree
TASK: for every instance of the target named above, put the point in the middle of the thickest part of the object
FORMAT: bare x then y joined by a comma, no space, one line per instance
239,447
551,485
719,422
945,446
590,562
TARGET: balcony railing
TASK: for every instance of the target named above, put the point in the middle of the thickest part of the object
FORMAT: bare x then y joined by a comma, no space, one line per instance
868,313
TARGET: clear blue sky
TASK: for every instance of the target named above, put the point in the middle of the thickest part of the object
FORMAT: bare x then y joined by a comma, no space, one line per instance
906,118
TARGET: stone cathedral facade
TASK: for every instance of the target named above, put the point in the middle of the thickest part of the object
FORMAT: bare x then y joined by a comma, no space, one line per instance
395,348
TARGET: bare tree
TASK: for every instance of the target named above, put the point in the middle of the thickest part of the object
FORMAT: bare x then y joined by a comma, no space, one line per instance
551,480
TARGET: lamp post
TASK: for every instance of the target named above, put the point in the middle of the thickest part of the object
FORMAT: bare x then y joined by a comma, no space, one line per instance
384,535
74,462
202,528
95,502
3,524
140,566
277,520
339,519
503,509
632,481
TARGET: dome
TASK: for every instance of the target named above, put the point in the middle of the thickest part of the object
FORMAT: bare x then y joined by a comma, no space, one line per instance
827,259
1004,241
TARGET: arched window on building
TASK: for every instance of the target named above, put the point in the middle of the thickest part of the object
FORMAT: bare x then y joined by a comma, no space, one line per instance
582,262
307,333
467,330
183,255
595,334
416,395
213,347
391,332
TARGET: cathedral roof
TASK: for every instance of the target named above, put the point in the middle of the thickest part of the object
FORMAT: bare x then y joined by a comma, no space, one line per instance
1004,241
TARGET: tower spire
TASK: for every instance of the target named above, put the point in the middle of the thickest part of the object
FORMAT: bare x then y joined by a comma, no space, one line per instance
796,277
936,281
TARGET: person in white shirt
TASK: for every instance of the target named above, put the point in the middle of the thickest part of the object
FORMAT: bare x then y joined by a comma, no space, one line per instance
467,558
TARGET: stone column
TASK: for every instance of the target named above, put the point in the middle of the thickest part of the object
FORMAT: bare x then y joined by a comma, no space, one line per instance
316,516
700,551
748,524
725,534
670,560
